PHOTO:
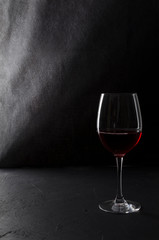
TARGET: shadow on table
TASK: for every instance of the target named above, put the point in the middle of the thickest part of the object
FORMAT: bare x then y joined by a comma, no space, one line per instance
152,215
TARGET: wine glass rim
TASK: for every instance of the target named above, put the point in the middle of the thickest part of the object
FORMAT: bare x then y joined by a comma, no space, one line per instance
119,93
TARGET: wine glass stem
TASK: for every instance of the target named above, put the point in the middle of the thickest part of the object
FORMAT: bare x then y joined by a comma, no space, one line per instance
119,196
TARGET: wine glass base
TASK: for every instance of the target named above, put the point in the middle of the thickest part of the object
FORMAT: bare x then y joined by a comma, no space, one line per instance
120,208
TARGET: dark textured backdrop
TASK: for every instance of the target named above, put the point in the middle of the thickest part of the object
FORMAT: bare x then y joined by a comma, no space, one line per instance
56,57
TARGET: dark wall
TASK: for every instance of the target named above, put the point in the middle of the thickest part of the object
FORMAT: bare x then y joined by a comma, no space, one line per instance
56,57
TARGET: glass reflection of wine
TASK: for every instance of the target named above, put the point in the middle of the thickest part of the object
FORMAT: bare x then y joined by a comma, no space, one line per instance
119,125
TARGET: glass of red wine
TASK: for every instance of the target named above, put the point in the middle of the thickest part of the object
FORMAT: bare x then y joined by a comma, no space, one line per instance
119,125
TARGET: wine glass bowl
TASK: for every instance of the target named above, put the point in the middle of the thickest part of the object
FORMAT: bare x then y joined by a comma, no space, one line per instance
119,126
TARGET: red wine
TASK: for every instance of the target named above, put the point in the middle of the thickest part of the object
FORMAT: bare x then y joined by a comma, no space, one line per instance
119,143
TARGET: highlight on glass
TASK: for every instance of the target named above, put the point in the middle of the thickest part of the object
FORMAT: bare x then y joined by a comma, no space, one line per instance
119,126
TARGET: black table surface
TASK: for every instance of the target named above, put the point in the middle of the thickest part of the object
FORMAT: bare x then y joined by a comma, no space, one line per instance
62,203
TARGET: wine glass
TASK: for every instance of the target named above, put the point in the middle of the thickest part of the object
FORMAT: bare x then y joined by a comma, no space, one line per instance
119,125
